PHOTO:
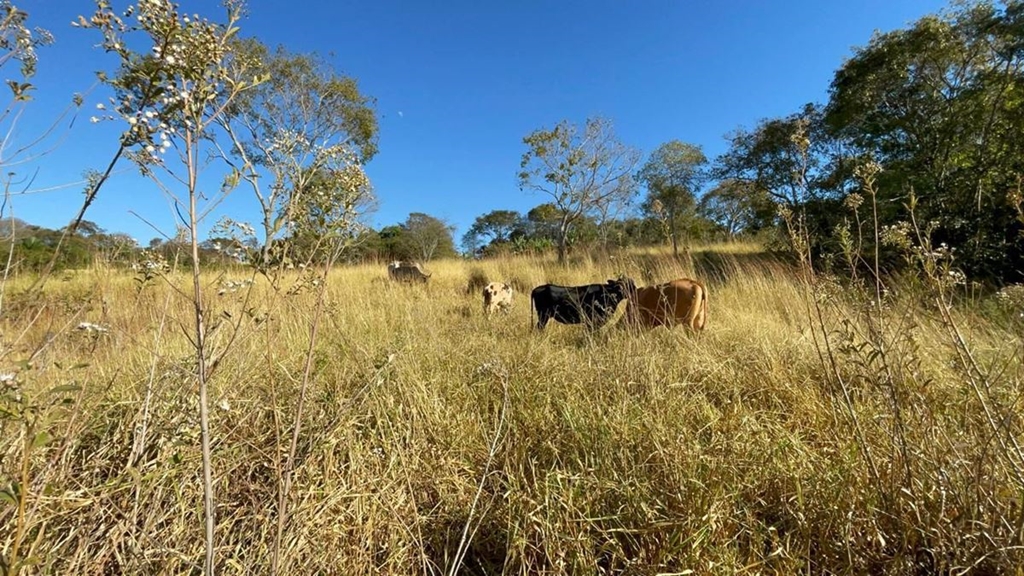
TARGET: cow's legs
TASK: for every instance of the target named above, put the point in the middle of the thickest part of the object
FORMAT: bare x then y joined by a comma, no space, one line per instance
542,319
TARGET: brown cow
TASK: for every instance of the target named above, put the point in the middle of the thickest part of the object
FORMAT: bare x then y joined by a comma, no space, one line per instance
682,301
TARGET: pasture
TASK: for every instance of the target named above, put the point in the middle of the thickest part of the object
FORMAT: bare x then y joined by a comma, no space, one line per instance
808,429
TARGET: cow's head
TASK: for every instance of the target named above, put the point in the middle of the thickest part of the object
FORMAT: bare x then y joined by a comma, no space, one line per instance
622,287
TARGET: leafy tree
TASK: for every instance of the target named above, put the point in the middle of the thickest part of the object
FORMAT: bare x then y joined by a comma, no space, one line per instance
494,228
673,175
395,243
582,168
11,226
88,228
113,247
731,204
544,221
302,121
429,236
939,106
773,156
632,231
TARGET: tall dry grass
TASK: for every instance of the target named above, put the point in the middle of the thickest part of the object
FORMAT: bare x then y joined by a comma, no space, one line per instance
438,441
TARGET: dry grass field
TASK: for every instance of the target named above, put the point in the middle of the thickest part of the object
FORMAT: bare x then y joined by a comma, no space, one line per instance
806,430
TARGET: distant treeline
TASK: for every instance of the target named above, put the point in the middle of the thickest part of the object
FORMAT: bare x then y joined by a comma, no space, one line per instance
420,238
918,150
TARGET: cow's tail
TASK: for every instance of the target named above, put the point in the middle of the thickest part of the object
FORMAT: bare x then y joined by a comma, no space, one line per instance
699,307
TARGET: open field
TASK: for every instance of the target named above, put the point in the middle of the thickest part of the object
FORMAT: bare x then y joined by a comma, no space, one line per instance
436,440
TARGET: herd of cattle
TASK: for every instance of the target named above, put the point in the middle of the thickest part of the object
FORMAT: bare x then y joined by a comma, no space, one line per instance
682,301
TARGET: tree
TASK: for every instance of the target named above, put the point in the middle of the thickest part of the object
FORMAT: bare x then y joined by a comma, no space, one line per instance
938,106
11,226
88,228
544,221
429,236
583,169
674,174
169,96
327,220
395,243
730,204
771,154
304,120
494,228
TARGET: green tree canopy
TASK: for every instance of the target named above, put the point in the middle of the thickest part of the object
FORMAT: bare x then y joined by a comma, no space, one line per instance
495,227
428,237
674,174
940,106
303,120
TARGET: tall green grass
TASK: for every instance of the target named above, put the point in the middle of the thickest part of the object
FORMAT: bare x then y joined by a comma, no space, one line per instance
807,429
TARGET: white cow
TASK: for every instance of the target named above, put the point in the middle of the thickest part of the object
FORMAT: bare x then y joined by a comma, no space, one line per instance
497,295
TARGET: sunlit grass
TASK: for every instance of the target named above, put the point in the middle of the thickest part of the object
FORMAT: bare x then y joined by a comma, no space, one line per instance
725,452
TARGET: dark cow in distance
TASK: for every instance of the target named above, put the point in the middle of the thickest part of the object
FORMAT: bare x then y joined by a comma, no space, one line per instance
592,304
682,301
407,272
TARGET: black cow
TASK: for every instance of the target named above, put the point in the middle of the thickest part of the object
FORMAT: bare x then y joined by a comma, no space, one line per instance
593,303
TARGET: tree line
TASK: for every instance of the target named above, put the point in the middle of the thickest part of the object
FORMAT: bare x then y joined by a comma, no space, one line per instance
916,148
931,111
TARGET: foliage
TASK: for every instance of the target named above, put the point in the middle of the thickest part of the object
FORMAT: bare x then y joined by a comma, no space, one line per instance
302,121
673,174
767,158
732,205
428,237
329,218
491,230
421,237
939,106
584,169
170,98
18,42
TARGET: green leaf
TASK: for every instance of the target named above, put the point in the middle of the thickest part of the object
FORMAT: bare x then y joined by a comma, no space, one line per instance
65,388
7,495
41,439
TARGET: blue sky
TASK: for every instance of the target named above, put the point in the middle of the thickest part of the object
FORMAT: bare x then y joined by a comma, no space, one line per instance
459,83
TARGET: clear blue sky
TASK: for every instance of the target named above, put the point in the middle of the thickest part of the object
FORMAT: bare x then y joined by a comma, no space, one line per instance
459,83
